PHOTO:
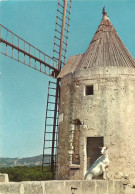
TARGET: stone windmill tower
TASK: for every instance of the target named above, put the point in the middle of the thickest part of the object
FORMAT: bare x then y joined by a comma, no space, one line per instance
97,107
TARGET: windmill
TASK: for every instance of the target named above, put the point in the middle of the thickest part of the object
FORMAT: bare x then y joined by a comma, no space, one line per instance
15,47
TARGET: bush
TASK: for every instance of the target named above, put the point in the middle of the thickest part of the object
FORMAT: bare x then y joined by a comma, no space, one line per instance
23,173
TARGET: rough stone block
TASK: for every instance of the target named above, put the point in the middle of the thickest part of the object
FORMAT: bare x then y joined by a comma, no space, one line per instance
33,187
118,187
54,187
101,187
95,86
61,116
4,178
73,187
110,187
93,71
107,140
88,187
10,188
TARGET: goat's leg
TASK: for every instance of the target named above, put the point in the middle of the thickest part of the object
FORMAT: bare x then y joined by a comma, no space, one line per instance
89,177
104,172
104,175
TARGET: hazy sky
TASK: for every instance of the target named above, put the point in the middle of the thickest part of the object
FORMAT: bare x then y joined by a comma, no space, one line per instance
24,90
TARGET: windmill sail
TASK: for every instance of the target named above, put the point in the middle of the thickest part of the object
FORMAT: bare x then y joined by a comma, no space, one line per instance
51,127
15,47
61,31
59,54
20,50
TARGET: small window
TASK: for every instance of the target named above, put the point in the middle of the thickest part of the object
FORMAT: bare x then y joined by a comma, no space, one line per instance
89,90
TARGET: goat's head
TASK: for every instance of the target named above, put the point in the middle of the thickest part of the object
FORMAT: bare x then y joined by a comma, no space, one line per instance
103,150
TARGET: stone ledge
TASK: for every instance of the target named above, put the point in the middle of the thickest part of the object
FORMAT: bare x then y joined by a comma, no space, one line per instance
74,166
100,72
63,187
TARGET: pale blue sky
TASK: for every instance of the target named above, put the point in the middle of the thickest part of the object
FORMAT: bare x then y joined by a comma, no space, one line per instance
24,90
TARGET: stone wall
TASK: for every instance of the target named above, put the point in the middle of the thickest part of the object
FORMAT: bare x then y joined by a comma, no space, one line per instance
63,187
109,113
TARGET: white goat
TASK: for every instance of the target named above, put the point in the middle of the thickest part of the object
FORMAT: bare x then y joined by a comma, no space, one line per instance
99,166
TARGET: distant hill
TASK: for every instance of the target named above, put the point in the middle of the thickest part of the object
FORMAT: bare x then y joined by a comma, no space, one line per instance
31,161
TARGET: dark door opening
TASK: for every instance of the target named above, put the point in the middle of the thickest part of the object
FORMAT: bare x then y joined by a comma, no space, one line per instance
93,150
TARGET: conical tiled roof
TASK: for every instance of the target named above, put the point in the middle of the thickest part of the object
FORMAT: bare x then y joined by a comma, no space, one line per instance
106,49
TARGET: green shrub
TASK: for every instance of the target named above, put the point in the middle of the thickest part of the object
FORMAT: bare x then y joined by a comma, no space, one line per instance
23,173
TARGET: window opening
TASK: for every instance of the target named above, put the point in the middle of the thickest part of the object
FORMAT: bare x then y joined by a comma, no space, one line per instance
89,90
93,150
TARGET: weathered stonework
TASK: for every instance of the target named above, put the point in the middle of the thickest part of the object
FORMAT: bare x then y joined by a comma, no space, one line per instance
4,178
108,113
63,187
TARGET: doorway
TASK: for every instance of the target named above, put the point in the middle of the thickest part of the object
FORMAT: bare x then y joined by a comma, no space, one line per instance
93,150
